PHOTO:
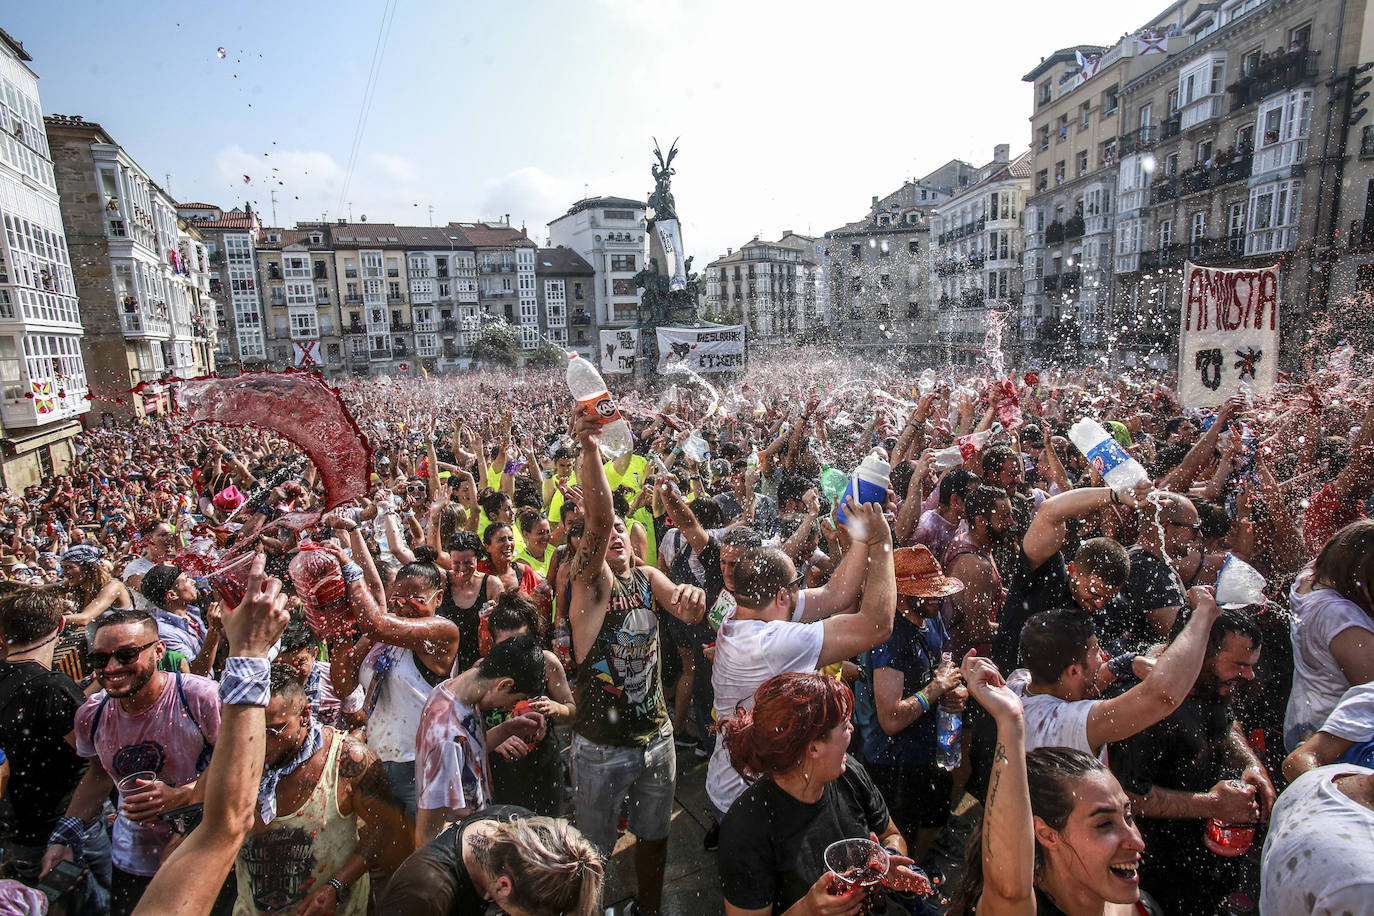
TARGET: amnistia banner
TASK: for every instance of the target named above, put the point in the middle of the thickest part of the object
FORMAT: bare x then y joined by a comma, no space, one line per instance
670,237
701,349
1229,333
618,351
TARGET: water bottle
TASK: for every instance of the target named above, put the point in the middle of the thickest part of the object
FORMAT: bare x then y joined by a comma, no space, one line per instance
868,484
319,584
587,388
948,727
752,462
1239,584
695,447
1119,470
948,458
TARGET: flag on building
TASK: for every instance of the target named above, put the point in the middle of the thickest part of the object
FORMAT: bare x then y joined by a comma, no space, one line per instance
1151,41
1087,67
43,402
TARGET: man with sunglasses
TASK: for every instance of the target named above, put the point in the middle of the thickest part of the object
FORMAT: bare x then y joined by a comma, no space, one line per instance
144,721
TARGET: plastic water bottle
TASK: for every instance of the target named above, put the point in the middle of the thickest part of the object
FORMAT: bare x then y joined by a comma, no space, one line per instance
948,728
587,388
695,447
867,484
947,458
1239,584
1119,470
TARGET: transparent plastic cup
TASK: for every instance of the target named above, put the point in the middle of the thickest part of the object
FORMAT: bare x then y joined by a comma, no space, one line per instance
858,861
1239,584
230,581
129,785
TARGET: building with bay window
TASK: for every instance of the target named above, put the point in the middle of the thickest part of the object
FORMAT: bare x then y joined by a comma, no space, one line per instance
42,373
442,266
609,233
231,237
296,275
773,288
564,282
505,277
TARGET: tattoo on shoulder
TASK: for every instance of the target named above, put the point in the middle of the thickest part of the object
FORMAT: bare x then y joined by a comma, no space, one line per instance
355,758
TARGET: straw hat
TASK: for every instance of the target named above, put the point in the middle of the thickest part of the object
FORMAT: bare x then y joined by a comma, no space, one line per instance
920,576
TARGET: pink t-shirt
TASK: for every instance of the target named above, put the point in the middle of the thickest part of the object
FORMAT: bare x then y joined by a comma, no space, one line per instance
451,769
172,738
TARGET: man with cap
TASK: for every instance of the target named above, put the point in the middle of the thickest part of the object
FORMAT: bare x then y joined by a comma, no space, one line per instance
170,592
909,682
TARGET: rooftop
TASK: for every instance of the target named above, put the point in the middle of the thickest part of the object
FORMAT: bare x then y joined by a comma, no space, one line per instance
15,46
1062,56
445,237
494,235
589,203
561,260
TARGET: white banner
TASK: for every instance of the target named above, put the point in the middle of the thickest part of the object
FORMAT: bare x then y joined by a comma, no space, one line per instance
307,353
701,349
618,351
670,237
1229,333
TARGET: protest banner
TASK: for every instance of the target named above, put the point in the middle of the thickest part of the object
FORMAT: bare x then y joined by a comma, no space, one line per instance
702,350
618,351
670,237
1229,333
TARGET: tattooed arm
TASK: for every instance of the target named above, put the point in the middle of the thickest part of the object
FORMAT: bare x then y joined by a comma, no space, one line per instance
384,837
1008,830
591,577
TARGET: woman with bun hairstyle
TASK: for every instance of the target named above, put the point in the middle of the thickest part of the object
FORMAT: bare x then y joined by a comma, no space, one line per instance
806,792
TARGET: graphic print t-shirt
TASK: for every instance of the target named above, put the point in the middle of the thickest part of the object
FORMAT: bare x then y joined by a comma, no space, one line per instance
451,756
619,691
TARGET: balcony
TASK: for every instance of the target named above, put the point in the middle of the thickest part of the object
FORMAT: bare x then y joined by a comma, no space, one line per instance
498,268
140,321
449,325
1073,229
1163,189
1051,283
497,293
1171,126
355,329
393,272
353,299
401,327
1278,154
426,327
378,354
1161,258
395,300
1054,233
51,400
1069,280
1138,140
1277,72
580,319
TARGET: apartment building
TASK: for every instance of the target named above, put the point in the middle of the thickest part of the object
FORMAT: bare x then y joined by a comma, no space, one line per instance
193,264
878,270
564,281
1352,276
442,267
773,288
136,296
976,247
231,238
505,276
609,233
296,275
369,264
42,373
1228,161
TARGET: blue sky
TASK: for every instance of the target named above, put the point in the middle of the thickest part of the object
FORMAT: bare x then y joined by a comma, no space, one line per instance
791,115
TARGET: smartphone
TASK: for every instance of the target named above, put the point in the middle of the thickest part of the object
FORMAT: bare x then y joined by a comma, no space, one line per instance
63,877
184,819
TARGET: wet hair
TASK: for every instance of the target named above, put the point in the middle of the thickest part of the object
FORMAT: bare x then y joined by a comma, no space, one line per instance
491,501
120,616
553,869
1054,640
527,518
790,711
297,636
957,482
158,581
528,494
995,457
1346,561
28,614
451,518
286,683
562,453
1051,774
1213,519
759,575
520,659
1104,558
741,536
512,611
492,531
901,476
425,570
1233,620
981,501
425,554
793,487
1168,457
464,540
709,513
621,506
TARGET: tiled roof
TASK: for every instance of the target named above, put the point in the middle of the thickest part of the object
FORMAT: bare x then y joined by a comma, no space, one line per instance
433,237
588,203
227,221
197,206
366,235
561,260
487,235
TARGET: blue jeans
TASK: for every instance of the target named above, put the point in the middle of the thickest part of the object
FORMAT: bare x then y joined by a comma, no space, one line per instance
604,774
402,776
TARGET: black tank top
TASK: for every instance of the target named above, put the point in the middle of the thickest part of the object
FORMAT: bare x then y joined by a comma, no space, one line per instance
469,621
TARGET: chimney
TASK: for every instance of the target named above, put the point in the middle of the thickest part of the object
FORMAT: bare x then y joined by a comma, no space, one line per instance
364,217
343,222
506,221
785,233
1001,152
875,202
523,233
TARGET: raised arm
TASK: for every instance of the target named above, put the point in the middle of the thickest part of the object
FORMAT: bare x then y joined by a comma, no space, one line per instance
1050,526
847,635
1182,476
591,579
683,517
1168,683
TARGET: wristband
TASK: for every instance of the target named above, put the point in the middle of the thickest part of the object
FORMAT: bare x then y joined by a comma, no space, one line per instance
70,832
921,698
1121,664
1115,498
246,682
676,451
351,572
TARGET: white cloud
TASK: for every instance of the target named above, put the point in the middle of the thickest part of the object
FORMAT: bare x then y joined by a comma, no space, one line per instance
393,167
297,172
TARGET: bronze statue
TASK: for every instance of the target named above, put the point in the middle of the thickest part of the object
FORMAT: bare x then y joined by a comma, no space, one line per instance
662,199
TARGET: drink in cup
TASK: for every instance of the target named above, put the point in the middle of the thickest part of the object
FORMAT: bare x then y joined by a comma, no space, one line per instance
859,862
230,580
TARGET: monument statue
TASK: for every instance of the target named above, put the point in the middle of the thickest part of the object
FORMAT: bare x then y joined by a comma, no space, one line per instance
670,289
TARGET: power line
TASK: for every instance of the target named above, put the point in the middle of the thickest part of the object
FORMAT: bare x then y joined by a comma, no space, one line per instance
369,93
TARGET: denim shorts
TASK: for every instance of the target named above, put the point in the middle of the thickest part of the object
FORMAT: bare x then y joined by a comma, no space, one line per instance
603,775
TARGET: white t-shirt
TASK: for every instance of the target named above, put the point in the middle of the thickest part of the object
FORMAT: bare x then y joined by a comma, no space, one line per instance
1319,616
451,769
137,567
1052,722
749,652
393,721
1353,717
1319,855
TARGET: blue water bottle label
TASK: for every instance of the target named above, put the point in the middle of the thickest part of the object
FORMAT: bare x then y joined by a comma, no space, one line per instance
1106,455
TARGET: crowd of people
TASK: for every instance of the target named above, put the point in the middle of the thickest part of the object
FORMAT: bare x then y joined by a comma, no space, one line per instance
1019,684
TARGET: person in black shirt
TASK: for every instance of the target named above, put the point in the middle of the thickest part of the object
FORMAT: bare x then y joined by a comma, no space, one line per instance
37,712
1194,766
1154,592
808,793
503,854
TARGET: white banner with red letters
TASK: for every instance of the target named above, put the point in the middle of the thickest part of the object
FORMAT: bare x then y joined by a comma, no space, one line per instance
1229,333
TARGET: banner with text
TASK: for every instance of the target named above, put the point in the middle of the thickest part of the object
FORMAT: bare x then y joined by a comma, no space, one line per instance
670,237
701,349
1229,333
618,351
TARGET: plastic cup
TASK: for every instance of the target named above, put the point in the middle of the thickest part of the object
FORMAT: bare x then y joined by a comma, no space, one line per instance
857,861
1239,584
129,785
230,581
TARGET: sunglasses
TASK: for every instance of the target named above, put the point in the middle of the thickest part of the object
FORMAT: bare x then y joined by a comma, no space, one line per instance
276,730
415,488
795,583
125,656
1195,526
